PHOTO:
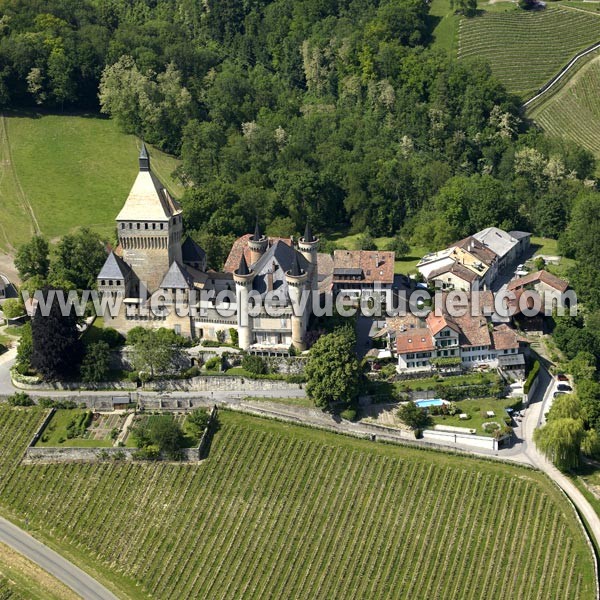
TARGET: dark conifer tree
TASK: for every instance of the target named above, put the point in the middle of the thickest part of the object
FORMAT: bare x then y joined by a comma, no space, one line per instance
57,351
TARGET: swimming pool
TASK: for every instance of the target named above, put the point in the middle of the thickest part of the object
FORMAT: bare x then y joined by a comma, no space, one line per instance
432,402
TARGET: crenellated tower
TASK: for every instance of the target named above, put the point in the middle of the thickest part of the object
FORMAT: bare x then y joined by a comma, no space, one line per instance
149,227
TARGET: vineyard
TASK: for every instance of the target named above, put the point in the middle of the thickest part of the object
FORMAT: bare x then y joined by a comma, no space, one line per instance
282,511
525,49
573,112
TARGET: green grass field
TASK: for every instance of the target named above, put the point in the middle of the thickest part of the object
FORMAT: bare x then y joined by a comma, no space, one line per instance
549,247
477,410
525,49
283,511
61,172
573,112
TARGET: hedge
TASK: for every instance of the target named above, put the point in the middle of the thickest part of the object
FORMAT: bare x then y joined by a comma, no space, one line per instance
531,377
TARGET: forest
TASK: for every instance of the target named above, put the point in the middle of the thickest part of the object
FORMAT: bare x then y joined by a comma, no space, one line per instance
335,111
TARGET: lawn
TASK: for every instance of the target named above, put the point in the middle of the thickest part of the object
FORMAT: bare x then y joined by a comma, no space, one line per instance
549,247
284,511
573,111
477,409
526,48
444,26
61,172
56,430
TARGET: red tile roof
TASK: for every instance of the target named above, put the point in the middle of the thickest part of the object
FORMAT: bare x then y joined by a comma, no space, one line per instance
505,338
474,331
456,269
437,323
539,277
414,340
374,265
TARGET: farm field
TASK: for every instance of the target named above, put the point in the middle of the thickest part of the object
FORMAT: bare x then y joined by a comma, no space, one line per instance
279,510
525,49
573,111
61,172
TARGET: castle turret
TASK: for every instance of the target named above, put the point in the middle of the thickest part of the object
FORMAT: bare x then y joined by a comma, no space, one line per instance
257,244
296,279
243,277
308,246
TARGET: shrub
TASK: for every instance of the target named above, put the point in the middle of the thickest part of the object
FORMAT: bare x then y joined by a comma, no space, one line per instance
20,399
192,372
49,403
350,414
61,440
112,337
151,452
198,421
233,334
213,364
254,364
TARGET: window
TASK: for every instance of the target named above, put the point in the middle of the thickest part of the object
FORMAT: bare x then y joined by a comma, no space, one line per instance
138,225
146,225
122,225
130,225
161,225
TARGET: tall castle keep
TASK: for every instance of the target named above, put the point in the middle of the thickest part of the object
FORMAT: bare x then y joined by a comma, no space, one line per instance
152,259
149,227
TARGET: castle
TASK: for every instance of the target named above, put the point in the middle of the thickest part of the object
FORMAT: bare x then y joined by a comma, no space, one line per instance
153,260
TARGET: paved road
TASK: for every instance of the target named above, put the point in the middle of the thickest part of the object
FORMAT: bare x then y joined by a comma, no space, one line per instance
65,571
534,418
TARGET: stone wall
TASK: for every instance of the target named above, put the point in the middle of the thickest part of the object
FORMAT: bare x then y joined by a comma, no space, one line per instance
220,383
42,454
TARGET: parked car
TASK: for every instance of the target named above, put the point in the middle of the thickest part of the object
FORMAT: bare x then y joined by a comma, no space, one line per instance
562,377
563,387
